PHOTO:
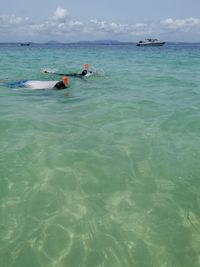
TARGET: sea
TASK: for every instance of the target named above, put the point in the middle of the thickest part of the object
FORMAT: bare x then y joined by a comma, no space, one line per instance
106,172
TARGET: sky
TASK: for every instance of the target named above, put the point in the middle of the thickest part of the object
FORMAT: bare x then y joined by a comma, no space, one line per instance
81,20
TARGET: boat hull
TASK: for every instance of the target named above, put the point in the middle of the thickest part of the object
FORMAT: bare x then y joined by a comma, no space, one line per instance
151,44
25,44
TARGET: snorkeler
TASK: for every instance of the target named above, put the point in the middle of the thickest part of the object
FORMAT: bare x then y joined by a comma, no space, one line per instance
34,84
62,84
84,73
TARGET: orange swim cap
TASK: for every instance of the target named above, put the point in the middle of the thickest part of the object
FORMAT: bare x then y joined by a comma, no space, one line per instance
65,80
86,66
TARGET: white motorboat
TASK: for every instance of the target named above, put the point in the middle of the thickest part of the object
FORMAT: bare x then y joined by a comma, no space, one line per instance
150,42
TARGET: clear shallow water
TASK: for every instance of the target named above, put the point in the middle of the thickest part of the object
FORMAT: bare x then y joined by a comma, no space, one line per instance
109,175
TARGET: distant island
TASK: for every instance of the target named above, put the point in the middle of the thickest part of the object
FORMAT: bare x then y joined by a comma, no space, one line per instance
99,42
53,42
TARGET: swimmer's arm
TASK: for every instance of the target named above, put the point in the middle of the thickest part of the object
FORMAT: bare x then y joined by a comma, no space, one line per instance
79,75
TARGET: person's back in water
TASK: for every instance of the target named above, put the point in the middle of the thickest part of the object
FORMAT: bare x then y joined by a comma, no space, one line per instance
78,75
35,84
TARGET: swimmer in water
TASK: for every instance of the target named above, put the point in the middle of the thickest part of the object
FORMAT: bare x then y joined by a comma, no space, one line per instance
62,84
84,73
34,84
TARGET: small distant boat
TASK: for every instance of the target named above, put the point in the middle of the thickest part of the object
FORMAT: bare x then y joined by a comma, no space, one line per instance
25,44
150,42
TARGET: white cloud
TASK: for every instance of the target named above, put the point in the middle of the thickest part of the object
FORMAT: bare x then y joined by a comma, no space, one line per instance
107,27
62,26
60,14
181,24
12,20
75,23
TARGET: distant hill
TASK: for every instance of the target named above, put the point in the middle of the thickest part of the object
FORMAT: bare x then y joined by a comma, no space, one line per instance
103,42
53,42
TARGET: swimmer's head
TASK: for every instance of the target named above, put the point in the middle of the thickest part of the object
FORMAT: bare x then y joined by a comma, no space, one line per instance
86,66
65,80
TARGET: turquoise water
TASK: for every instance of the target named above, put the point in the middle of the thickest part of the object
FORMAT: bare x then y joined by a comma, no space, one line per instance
107,175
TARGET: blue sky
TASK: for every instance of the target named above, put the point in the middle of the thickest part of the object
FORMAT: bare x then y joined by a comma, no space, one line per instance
74,20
